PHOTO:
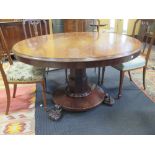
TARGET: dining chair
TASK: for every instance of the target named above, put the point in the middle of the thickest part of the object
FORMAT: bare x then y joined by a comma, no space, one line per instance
35,27
146,35
19,73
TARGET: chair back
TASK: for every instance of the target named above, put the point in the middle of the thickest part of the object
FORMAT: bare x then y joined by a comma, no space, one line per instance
146,34
4,48
34,27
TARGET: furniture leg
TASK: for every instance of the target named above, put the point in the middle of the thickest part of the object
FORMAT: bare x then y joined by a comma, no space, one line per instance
95,69
121,84
14,90
144,74
6,89
99,72
55,113
130,75
44,94
44,76
79,94
66,75
103,71
47,70
8,99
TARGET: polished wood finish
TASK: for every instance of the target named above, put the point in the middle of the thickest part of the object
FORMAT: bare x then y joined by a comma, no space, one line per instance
13,31
79,95
74,25
4,47
79,103
77,50
82,25
77,78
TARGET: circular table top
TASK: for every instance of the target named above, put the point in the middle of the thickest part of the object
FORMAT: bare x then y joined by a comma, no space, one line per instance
77,49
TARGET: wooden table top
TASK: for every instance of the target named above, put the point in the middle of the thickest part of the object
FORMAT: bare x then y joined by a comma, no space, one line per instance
77,47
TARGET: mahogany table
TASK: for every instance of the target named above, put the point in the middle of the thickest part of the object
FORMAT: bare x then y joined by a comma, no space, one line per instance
78,51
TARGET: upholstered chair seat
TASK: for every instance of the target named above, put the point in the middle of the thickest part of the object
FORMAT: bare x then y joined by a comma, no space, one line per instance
21,72
133,64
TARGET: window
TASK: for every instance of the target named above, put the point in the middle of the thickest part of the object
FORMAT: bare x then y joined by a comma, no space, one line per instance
112,25
125,25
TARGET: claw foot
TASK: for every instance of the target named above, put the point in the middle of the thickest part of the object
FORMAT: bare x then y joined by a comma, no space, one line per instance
108,100
55,113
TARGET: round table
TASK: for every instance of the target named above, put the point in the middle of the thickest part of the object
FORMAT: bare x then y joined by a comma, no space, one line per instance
78,51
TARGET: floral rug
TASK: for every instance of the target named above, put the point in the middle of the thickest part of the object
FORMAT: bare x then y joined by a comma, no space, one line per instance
22,109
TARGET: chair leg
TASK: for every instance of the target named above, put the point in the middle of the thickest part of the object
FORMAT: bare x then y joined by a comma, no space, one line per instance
144,74
95,69
99,72
44,94
121,84
14,90
8,100
47,70
130,75
66,74
102,78
45,80
44,76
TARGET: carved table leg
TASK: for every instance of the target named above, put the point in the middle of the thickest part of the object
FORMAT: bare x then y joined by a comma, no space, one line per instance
79,95
108,100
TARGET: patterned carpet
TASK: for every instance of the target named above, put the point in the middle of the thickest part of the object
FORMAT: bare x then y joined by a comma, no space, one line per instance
21,117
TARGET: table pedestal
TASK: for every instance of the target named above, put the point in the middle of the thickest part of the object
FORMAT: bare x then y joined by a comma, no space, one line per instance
79,95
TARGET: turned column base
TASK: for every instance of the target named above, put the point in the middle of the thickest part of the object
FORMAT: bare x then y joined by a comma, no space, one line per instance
95,98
